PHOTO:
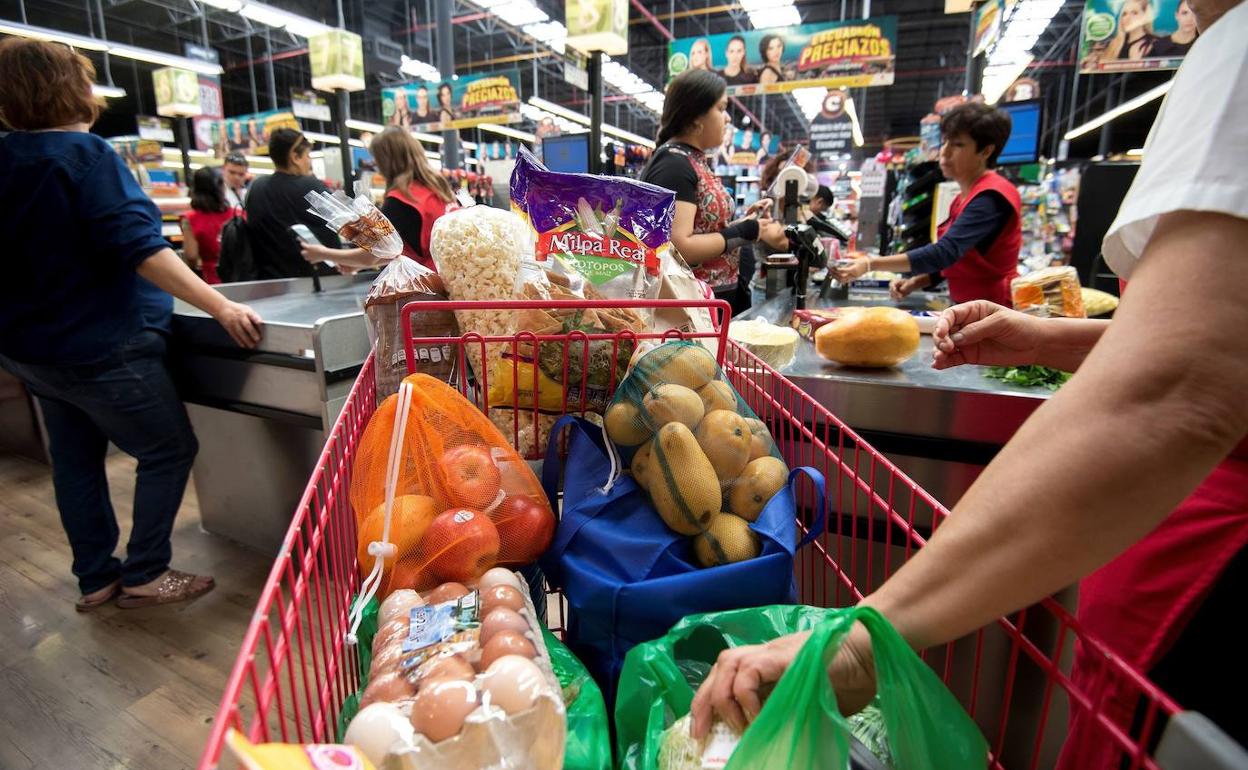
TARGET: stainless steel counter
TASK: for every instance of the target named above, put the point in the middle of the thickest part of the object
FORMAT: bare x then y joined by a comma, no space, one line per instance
959,404
262,415
940,427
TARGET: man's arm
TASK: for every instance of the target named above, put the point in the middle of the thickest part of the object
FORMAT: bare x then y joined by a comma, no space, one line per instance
1094,469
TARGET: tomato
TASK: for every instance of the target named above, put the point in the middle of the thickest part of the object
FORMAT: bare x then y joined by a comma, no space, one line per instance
525,528
462,544
472,477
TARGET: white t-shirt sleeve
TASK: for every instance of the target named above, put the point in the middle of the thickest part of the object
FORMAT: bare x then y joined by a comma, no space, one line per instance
1196,156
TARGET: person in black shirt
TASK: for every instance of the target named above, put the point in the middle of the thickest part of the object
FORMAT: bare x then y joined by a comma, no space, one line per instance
276,202
704,230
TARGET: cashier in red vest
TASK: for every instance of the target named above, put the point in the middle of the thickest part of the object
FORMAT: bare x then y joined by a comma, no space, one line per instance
416,196
977,247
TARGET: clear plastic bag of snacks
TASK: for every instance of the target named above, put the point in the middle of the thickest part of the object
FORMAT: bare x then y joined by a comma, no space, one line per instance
357,220
1053,291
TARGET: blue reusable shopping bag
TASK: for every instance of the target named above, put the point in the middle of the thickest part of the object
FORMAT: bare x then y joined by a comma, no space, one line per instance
628,578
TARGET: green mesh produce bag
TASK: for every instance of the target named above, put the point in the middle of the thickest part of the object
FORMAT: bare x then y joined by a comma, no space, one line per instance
708,464
800,726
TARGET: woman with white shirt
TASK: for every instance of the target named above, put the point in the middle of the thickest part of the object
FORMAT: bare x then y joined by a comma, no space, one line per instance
1140,459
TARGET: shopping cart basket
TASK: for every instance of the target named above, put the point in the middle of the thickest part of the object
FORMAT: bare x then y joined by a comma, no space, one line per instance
294,669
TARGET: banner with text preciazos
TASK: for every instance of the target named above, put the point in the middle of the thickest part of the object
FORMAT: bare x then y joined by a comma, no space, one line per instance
467,101
838,54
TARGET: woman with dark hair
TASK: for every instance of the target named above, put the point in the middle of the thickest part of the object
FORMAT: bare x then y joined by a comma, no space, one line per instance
771,49
445,102
84,316
416,196
737,71
201,226
694,115
978,246
1185,33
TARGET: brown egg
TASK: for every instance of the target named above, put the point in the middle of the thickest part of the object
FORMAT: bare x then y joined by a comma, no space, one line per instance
388,688
502,596
439,710
506,643
513,683
501,619
443,668
497,576
446,592
398,605
390,634
387,660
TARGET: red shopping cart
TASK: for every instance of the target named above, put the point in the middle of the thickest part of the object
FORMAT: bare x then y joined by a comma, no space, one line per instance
295,670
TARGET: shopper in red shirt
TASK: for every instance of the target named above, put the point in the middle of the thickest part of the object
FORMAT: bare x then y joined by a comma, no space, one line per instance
201,226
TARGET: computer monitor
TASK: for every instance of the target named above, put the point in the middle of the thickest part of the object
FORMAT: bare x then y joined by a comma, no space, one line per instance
1023,146
569,154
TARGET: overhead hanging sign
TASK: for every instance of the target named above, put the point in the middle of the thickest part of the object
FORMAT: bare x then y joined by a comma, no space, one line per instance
837,54
177,92
832,130
309,105
211,107
469,101
597,25
155,129
337,58
1133,35
249,134
987,25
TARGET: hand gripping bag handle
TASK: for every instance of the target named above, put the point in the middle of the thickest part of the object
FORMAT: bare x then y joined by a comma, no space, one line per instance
801,724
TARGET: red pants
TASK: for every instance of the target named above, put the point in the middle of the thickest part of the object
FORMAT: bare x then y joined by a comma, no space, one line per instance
1140,603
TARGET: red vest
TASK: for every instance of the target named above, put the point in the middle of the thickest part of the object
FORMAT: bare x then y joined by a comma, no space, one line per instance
431,207
987,276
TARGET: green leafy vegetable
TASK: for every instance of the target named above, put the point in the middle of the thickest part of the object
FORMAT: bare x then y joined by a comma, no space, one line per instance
1028,376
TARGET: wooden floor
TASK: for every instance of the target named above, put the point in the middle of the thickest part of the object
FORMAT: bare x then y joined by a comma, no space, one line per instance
133,689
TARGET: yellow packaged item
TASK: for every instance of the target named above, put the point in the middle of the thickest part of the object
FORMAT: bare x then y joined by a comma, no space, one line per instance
295,756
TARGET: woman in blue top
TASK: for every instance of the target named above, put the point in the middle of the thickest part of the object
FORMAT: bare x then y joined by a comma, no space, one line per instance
84,311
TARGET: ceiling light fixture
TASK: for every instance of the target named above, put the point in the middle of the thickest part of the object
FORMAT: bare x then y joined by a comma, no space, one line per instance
108,92
1122,109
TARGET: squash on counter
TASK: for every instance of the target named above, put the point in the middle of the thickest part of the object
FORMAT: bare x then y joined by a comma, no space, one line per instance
871,337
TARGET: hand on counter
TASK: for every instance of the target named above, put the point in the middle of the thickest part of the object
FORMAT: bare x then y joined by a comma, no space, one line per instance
900,288
241,322
985,333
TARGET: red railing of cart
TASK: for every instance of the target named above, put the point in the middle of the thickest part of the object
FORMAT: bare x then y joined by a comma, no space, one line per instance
294,669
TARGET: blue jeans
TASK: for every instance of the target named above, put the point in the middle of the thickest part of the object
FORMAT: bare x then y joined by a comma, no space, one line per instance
128,399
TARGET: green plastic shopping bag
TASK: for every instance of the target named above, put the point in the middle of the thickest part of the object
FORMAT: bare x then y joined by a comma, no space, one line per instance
589,733
800,725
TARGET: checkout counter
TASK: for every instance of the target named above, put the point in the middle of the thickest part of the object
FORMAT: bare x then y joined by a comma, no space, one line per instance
940,427
262,416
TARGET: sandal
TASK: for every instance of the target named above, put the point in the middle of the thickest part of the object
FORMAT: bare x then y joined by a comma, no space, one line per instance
88,602
173,586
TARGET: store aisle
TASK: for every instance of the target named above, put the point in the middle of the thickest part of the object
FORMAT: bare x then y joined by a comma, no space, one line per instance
134,689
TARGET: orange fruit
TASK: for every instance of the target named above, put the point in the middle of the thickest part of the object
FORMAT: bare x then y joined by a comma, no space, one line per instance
411,519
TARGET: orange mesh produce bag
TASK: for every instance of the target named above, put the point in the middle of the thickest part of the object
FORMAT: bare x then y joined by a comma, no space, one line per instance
463,499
